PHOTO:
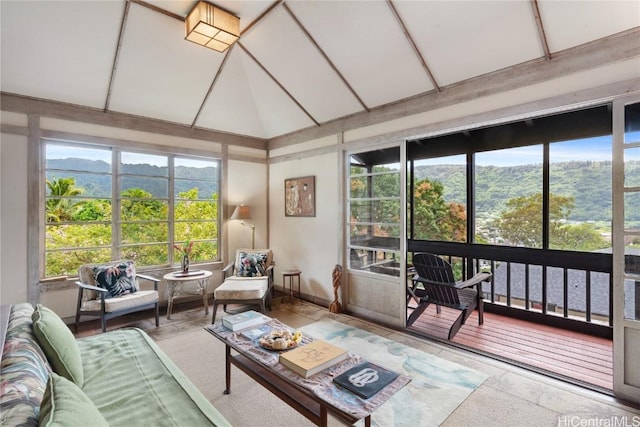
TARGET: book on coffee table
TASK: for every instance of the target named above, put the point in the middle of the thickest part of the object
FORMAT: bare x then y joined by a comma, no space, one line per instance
244,320
366,379
257,332
311,358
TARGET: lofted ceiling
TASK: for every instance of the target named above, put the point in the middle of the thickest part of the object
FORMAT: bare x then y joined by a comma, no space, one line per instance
298,64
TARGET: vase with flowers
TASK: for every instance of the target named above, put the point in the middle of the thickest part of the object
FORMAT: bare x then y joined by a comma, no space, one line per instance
185,250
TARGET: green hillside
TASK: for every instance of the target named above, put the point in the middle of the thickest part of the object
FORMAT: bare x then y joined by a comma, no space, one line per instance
588,182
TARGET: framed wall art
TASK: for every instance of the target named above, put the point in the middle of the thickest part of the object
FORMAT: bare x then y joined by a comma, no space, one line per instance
300,196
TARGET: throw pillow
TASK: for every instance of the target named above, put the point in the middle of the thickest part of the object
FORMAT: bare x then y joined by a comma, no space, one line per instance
64,404
58,344
117,279
252,263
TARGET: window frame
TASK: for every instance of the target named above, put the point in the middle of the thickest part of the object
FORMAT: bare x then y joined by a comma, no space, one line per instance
116,148
356,249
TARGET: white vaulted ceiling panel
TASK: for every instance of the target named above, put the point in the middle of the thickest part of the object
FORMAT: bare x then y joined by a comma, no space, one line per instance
281,47
571,23
278,113
231,107
59,50
160,74
464,39
367,45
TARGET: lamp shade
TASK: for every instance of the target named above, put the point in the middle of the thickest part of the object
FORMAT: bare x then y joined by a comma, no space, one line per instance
212,27
241,212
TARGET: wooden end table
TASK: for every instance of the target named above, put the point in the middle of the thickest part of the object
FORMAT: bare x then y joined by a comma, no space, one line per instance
288,276
176,281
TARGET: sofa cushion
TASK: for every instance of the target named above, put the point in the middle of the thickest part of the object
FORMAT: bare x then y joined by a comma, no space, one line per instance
122,302
242,288
134,383
252,262
24,371
118,278
64,404
58,343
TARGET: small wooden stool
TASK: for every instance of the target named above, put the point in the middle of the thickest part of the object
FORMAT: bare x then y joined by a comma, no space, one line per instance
290,275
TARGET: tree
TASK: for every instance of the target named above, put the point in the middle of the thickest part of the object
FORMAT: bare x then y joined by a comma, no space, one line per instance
434,218
521,224
59,205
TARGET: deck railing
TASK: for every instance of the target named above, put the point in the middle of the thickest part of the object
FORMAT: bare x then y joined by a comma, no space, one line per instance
560,288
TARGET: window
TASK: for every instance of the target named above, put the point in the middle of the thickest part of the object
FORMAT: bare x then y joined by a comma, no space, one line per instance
580,194
440,199
106,203
374,221
509,197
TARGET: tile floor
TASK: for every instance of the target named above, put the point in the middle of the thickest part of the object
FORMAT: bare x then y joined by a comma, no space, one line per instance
511,396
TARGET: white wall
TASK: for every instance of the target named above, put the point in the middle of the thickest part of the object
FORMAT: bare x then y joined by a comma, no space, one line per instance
13,218
310,244
246,184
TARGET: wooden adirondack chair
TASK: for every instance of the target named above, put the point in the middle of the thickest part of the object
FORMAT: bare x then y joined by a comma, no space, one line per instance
434,283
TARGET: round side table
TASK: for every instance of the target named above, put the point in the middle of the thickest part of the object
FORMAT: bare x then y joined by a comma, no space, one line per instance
176,279
288,277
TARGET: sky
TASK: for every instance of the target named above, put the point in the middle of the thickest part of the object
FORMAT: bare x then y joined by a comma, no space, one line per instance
594,149
56,151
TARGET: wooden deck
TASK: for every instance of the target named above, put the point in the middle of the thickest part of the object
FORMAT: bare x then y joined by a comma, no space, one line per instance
571,356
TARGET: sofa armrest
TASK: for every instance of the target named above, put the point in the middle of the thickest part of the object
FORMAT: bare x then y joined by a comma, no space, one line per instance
269,272
228,269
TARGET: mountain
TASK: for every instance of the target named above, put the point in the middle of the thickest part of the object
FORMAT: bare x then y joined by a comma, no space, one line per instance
588,182
95,178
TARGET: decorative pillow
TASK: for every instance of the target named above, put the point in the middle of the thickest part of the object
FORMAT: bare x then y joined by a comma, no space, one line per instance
117,279
252,262
24,370
64,404
58,343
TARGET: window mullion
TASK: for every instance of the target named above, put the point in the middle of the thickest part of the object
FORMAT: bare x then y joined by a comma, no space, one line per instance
171,209
116,198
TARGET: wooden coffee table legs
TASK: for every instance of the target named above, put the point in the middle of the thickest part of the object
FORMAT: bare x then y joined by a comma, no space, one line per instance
302,401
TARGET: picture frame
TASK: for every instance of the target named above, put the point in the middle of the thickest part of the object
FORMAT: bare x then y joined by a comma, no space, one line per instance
300,196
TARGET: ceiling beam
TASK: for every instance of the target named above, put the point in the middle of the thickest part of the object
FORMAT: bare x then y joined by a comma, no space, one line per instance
618,47
157,9
76,113
261,17
280,85
213,83
414,46
123,24
540,26
326,57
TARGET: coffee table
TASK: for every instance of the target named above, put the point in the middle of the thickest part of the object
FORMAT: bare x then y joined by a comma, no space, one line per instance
313,397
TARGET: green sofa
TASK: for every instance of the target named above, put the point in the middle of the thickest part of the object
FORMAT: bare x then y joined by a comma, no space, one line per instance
116,378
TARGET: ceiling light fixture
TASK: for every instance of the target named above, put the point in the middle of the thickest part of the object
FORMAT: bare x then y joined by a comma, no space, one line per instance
212,27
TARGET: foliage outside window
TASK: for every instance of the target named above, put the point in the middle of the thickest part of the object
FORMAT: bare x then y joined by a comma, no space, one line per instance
374,212
106,203
439,211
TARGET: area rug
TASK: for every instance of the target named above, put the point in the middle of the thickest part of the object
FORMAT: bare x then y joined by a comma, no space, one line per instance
437,386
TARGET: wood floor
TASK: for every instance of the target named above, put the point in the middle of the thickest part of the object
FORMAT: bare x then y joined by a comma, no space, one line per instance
576,357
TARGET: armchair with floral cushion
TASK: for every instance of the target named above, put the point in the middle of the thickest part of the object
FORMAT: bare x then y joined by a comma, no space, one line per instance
248,281
112,289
